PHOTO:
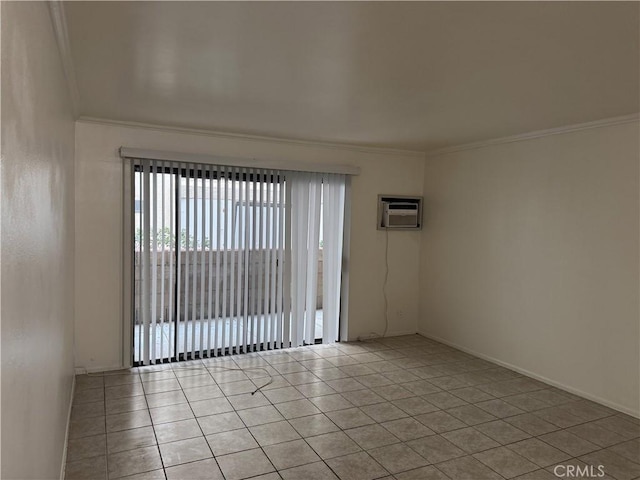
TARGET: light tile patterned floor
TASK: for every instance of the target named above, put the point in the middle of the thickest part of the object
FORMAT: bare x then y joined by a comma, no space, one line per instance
402,407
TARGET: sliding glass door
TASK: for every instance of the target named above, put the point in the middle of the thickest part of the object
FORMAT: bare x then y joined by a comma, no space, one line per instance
232,260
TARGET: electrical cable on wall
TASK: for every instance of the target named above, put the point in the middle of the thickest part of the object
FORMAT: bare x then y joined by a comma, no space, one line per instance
373,335
386,279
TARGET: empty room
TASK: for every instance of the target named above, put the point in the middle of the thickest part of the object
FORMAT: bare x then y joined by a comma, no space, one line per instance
320,240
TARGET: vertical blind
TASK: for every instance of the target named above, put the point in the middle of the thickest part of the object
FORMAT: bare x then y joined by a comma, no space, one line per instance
229,259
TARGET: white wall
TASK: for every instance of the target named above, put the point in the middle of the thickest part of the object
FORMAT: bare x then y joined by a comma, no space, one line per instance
99,229
530,257
37,245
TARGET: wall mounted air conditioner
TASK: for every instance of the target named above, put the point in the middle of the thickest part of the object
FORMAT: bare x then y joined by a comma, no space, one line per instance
399,212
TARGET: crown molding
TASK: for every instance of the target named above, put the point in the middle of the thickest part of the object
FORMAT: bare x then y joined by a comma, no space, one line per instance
605,122
59,20
253,138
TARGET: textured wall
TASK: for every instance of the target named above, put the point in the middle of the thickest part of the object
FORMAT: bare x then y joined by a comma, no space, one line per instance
530,257
37,245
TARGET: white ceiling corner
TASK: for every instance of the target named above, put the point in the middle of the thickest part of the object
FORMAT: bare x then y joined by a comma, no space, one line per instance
59,20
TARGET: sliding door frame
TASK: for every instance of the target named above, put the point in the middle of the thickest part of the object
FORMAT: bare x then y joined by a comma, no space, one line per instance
128,268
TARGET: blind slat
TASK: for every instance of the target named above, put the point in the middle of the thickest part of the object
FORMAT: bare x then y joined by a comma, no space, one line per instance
187,276
273,312
203,236
216,325
280,264
172,249
162,250
225,261
247,263
259,311
266,252
210,259
179,270
194,257
239,261
254,249
146,263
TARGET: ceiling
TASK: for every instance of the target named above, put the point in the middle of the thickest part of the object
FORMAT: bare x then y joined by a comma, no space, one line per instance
407,75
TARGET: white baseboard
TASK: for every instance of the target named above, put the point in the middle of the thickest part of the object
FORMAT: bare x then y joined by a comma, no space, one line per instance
66,434
398,333
528,373
83,370
372,335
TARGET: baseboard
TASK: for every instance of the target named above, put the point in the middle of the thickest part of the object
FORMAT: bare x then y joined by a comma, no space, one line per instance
83,370
396,333
66,434
399,333
528,373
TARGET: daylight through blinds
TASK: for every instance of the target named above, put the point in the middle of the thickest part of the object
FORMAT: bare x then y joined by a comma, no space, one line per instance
233,259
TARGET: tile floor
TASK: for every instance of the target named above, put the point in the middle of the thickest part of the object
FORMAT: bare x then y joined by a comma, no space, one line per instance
397,408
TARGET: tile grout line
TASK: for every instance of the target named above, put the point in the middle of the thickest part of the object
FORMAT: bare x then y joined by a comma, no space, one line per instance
196,418
155,436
